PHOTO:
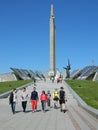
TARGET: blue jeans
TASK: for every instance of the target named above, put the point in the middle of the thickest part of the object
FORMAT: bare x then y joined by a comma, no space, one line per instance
43,105
13,105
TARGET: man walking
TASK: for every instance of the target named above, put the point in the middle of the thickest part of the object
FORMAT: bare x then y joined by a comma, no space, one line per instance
34,99
12,100
62,99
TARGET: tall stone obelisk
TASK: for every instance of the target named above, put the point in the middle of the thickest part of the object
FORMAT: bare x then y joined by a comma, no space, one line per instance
52,44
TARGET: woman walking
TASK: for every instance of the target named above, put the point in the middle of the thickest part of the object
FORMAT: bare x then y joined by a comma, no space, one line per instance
24,97
56,98
43,99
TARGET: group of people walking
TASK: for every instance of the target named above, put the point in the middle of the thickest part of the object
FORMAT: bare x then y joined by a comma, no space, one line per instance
59,97
44,98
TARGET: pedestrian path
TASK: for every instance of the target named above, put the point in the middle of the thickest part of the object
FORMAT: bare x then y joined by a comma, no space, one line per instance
75,117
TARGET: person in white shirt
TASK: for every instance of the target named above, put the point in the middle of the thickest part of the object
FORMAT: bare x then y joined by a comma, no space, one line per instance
24,97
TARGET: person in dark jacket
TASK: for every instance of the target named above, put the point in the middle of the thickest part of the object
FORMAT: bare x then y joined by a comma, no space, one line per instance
34,99
12,100
62,99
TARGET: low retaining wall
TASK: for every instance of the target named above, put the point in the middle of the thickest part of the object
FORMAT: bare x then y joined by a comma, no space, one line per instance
6,94
81,103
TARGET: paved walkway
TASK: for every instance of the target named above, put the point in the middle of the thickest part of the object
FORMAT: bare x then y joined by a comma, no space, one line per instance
75,117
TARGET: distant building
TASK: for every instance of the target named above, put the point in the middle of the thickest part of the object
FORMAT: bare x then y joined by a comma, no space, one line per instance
7,77
21,74
87,73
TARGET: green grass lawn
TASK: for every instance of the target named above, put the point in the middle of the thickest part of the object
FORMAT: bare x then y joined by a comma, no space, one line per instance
87,90
6,86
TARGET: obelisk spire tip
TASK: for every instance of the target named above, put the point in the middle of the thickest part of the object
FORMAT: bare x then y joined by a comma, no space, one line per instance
52,10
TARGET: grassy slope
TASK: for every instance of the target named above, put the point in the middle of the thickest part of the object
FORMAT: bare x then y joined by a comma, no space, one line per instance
6,86
87,90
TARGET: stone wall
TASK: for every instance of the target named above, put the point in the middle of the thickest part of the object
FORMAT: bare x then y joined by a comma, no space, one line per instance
7,77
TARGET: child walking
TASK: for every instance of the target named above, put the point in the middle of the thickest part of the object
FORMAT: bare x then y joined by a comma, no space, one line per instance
49,98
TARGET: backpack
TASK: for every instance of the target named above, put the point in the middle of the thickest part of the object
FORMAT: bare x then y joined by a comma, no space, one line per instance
56,94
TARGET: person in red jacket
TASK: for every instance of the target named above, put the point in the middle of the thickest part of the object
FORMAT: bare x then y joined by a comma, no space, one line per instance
43,99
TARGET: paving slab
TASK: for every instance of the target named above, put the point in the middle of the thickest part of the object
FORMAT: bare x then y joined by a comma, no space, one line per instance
75,118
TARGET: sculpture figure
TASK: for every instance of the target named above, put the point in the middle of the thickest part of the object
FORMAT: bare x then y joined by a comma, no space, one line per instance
68,68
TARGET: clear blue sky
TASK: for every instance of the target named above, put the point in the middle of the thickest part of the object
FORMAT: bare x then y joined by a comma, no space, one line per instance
24,33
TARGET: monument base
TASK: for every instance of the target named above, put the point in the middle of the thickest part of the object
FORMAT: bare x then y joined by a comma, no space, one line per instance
51,73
